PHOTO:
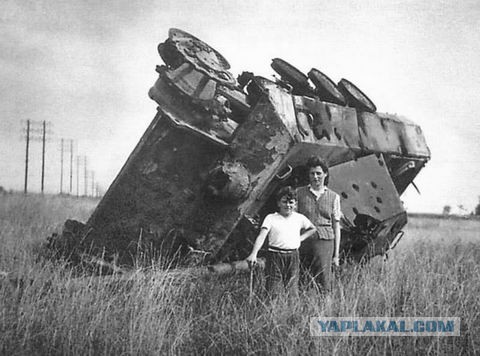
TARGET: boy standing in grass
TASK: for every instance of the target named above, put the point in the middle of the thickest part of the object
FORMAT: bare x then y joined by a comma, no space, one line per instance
285,230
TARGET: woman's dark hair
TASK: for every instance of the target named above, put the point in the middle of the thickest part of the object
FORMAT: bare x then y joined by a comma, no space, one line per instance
288,192
315,161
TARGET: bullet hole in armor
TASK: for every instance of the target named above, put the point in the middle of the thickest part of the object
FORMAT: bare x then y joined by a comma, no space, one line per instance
379,200
374,185
377,209
380,162
344,195
355,210
356,187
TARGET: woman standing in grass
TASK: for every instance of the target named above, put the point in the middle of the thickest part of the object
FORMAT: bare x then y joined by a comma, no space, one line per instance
285,231
322,206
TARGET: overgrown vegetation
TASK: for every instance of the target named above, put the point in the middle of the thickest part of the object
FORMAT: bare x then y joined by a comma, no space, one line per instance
434,271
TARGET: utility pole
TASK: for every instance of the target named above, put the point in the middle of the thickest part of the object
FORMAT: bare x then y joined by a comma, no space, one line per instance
43,153
71,166
78,175
35,131
61,167
26,156
85,174
93,182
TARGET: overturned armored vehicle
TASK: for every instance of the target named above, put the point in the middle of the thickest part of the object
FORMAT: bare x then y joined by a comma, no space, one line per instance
202,176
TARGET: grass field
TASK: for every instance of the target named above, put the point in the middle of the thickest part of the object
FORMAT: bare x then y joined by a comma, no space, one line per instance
434,271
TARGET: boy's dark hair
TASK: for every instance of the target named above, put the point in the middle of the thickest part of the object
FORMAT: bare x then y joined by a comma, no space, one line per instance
315,161
288,192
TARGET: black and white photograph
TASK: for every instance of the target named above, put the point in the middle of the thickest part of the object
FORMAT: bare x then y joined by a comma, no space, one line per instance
184,177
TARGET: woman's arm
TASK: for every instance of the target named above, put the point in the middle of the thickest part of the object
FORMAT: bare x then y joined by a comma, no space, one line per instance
337,213
337,234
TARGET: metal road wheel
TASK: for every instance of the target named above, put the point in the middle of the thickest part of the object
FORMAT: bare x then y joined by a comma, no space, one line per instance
326,88
202,56
355,97
292,76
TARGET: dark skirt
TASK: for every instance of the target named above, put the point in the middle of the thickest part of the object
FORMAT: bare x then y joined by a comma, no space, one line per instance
316,257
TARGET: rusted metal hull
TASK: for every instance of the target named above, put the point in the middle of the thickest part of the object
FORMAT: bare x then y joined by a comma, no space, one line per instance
201,178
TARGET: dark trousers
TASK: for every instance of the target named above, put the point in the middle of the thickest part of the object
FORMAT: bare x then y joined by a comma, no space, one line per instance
282,271
316,257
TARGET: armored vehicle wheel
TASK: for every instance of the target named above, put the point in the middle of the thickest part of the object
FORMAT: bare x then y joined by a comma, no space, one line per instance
202,56
326,88
293,76
355,97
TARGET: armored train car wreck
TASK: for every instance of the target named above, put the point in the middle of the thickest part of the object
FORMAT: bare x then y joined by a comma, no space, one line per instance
201,178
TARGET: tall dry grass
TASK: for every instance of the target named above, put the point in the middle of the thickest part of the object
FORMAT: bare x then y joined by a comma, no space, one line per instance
434,271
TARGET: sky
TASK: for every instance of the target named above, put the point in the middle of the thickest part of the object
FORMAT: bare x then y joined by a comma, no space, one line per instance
86,67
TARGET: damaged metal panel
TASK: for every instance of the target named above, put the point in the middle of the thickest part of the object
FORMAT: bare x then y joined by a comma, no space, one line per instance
365,188
403,170
371,238
373,213
332,154
159,191
379,134
325,123
210,119
414,140
389,134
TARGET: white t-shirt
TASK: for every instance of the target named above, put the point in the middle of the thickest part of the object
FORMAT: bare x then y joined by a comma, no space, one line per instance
284,232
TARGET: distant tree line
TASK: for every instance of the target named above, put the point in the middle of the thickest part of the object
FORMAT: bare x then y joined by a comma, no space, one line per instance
447,209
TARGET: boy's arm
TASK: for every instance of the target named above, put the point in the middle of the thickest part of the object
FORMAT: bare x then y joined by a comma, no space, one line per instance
307,233
252,258
309,229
